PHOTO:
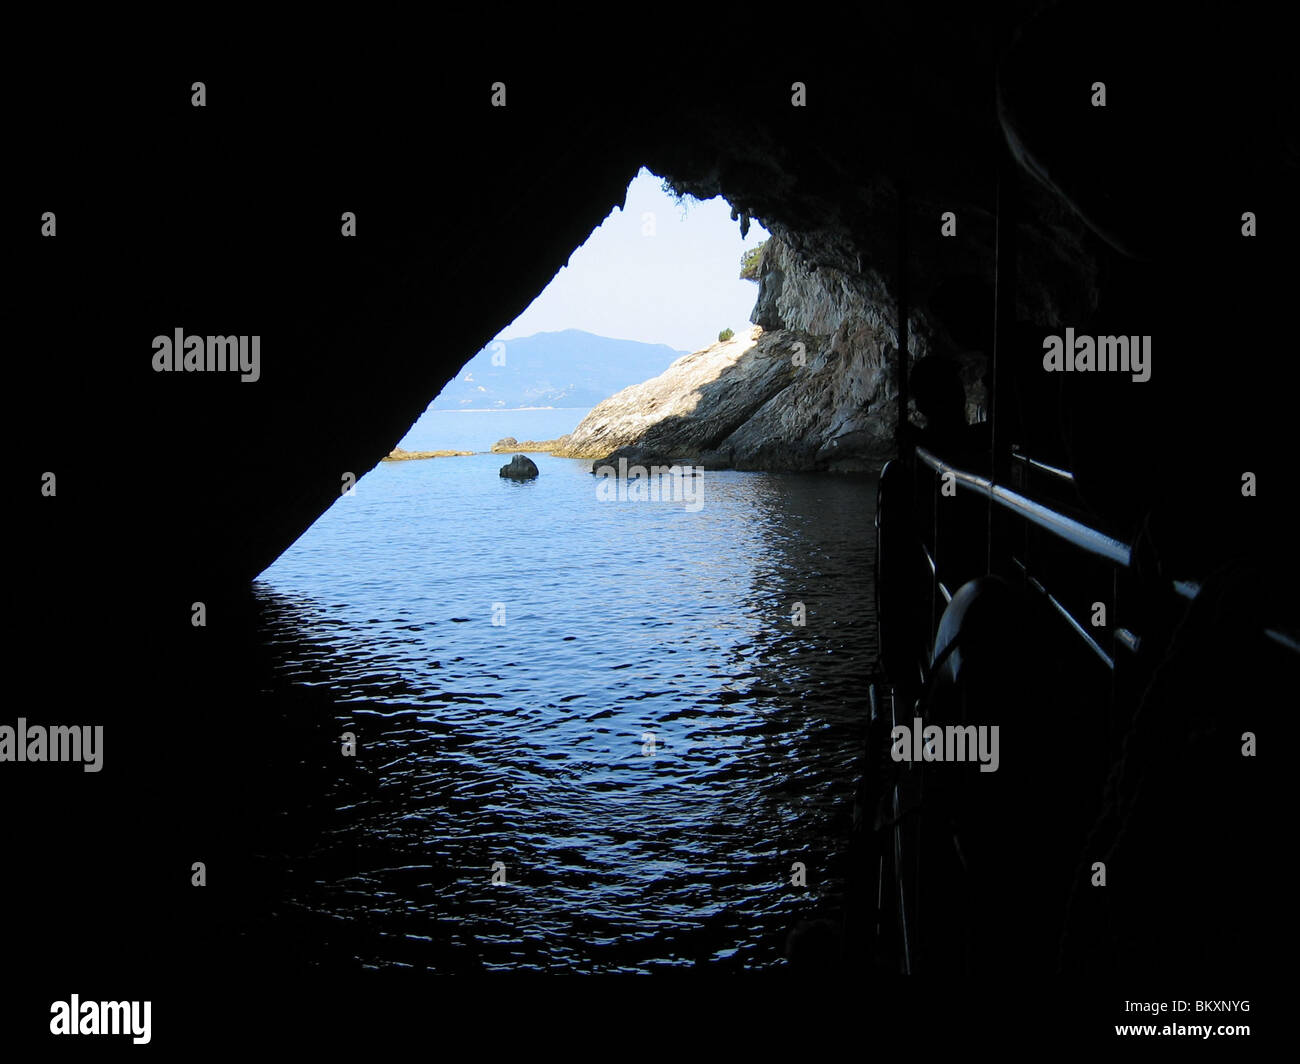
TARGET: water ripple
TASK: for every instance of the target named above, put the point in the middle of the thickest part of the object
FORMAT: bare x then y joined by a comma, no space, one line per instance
646,745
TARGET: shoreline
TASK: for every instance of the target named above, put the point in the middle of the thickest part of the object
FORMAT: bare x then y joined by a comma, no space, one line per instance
399,455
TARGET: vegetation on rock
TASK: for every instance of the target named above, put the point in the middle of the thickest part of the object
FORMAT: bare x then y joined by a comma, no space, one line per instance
750,262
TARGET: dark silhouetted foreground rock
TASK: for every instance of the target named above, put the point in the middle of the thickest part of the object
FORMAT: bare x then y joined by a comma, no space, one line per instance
521,467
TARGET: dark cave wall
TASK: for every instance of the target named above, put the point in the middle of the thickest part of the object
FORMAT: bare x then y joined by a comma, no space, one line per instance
175,488
226,220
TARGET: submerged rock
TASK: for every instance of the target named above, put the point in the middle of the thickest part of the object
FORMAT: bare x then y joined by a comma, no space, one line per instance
521,467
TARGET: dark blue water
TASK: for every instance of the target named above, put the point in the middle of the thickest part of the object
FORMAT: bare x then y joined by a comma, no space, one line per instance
529,741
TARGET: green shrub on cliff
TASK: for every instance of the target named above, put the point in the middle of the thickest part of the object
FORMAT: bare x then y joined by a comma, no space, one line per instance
749,262
725,335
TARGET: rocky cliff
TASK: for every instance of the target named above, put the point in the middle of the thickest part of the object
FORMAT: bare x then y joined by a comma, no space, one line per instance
811,386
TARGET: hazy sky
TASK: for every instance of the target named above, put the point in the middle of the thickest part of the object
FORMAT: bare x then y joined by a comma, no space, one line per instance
672,278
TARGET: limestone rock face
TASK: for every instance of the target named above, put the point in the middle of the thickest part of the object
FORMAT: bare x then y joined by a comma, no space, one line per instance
839,410
521,467
812,386
693,405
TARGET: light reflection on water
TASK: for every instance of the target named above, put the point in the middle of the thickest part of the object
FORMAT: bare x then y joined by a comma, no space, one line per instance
525,743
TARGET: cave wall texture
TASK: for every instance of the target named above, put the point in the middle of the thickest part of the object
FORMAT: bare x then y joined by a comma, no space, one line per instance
174,488
226,220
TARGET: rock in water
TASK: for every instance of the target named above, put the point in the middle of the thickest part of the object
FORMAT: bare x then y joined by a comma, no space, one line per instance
510,445
521,467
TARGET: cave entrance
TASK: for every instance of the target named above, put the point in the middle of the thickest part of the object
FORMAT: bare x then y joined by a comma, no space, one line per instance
586,733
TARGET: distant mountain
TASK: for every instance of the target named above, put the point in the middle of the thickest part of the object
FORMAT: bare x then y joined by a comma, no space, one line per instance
569,368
